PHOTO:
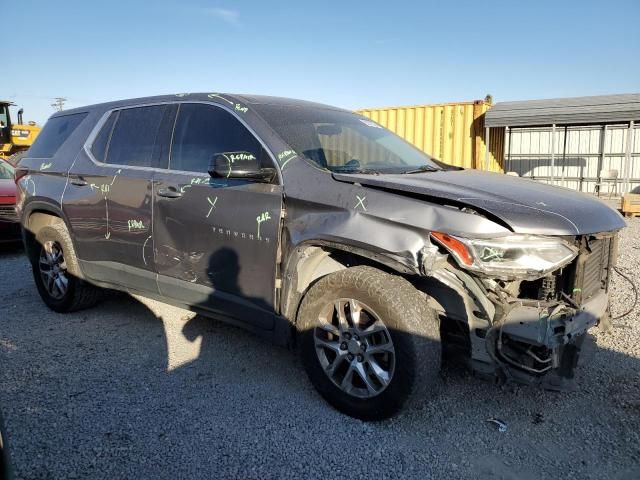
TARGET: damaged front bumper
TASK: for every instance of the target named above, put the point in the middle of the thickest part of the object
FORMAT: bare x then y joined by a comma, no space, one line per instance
536,344
556,325
520,340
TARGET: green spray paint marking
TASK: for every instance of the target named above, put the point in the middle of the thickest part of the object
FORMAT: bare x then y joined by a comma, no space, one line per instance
213,205
199,180
360,202
26,180
285,157
235,157
144,245
215,95
263,217
105,189
241,108
135,224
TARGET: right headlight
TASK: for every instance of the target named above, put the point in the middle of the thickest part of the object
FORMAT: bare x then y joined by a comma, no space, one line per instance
515,256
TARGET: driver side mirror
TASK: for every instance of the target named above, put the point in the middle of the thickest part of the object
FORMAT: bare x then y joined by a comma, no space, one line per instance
240,165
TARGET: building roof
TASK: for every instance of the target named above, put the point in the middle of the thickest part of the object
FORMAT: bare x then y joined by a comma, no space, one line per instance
565,111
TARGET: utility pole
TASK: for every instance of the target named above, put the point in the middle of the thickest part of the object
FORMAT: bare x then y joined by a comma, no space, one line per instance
59,103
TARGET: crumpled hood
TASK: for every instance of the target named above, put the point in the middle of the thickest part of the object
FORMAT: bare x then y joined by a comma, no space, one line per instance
525,205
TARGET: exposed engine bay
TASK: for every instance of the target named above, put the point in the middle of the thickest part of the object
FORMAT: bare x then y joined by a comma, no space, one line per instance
530,330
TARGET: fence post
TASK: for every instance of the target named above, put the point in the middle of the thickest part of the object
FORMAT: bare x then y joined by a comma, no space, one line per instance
626,186
553,154
486,148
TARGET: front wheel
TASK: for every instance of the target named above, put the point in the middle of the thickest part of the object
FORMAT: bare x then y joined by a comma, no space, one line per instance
369,342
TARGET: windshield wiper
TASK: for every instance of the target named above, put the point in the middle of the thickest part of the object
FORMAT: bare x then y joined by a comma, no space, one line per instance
356,171
422,168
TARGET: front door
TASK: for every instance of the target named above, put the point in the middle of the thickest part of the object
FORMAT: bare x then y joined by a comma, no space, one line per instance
216,239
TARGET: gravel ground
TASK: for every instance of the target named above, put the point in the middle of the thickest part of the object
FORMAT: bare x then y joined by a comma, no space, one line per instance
138,389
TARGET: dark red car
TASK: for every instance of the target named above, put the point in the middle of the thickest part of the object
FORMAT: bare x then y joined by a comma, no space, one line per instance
9,225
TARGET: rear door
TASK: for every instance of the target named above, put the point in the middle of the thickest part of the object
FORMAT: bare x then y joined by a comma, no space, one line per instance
216,239
109,196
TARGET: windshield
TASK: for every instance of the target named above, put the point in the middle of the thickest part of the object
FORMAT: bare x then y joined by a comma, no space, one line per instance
6,171
344,142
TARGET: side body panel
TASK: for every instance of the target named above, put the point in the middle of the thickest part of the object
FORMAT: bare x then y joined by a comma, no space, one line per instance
46,179
110,210
221,236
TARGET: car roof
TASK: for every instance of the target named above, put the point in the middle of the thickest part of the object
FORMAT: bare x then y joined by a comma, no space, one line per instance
213,97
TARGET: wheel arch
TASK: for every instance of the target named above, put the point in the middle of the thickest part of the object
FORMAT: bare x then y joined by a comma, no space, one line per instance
36,215
312,260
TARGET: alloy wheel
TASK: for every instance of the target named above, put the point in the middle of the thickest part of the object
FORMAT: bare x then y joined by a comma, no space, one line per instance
53,270
354,348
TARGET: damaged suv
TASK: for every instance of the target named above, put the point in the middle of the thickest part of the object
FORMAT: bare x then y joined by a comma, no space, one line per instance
318,228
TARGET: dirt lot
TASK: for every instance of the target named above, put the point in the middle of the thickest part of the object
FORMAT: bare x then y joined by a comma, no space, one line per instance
137,389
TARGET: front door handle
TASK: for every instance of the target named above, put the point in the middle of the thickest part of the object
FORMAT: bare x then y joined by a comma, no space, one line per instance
169,192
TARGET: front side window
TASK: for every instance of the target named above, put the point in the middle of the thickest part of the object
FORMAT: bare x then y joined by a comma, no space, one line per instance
54,134
205,131
134,136
341,141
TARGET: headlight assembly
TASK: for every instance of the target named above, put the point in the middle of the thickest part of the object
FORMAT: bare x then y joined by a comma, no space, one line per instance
523,257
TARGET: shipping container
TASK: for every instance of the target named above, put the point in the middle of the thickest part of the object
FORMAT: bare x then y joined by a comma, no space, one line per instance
451,132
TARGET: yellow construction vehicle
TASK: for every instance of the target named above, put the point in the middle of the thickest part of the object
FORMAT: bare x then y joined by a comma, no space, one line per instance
15,138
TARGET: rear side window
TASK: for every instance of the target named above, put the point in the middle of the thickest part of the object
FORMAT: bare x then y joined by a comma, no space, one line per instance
54,134
134,136
203,131
99,147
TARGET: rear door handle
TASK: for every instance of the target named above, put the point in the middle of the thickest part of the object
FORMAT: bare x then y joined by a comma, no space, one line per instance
79,182
169,192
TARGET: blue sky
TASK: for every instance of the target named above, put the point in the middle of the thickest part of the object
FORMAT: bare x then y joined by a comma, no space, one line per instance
352,54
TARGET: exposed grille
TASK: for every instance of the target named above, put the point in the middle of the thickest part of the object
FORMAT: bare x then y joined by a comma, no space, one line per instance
8,213
592,270
581,279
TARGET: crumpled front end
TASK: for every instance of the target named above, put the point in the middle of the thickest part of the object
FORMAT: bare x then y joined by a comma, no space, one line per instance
528,331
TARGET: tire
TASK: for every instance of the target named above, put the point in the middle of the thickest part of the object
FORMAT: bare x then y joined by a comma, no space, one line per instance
77,293
5,464
407,345
16,157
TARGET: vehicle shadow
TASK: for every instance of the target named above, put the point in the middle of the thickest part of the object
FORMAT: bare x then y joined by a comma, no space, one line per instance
136,388
539,423
11,248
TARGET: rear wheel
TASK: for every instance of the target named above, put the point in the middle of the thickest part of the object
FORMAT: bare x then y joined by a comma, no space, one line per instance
369,342
5,466
55,271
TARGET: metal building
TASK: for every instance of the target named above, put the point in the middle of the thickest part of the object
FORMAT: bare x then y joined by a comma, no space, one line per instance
590,144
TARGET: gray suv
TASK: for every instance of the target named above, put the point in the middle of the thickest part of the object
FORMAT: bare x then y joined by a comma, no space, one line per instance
320,229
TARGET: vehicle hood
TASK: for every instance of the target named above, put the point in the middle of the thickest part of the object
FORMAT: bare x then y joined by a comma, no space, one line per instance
524,205
7,189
